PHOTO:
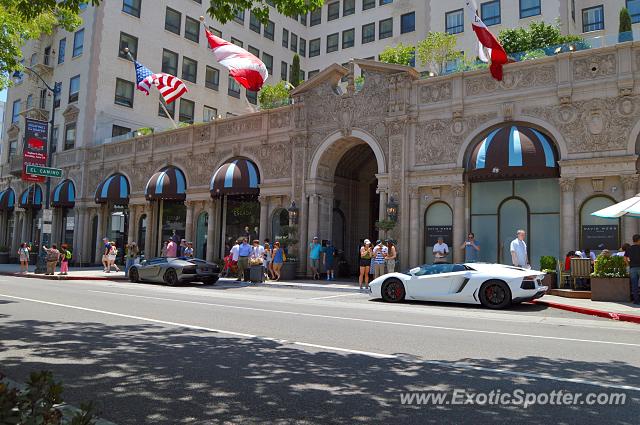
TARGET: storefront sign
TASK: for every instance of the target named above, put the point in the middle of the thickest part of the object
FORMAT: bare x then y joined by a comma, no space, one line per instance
435,232
598,237
35,148
70,223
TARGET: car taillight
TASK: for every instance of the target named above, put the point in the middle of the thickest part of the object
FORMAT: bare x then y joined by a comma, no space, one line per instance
189,270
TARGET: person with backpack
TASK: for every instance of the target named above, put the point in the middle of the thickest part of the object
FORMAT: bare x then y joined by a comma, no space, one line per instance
53,255
65,256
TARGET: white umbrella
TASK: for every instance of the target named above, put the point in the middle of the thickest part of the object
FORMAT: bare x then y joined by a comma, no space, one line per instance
630,207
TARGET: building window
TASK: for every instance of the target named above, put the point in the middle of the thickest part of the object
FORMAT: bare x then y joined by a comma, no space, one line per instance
316,17
169,62
333,11
15,111
252,97
285,38
593,19
209,113
69,136
383,2
634,10
368,33
78,42
303,47
283,71
189,69
254,23
171,108
132,7
74,88
13,147
172,21
192,29
312,73
237,42
187,109
54,139
332,42
239,16
348,37
118,130
128,42
385,28
124,93
56,96
255,52
267,59
234,88
215,32
490,12
62,47
368,4
454,21
529,8
408,22
269,30
314,47
294,42
212,78
303,19
348,7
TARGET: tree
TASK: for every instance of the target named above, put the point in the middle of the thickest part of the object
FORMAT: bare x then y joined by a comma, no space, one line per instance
538,36
225,10
625,30
436,50
401,54
272,96
295,71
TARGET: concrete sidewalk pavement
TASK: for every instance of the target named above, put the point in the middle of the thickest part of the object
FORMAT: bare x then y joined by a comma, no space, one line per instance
625,312
75,273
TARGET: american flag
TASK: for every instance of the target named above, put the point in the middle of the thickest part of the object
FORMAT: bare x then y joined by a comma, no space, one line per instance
170,87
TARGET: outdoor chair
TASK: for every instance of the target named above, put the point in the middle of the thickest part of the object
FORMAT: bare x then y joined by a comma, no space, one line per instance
580,269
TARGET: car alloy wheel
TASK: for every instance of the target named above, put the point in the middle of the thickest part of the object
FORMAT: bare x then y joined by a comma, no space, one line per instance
171,277
495,294
393,291
133,275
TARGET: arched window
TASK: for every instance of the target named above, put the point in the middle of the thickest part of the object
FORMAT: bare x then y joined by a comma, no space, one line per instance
438,220
598,233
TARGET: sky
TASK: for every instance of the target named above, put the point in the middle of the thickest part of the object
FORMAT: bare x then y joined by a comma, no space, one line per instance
3,95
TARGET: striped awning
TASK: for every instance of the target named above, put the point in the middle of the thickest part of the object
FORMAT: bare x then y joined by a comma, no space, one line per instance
237,177
64,195
114,189
31,198
513,152
168,184
7,200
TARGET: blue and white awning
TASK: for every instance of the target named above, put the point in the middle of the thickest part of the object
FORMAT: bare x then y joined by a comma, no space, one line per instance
7,200
64,195
168,184
31,198
238,177
114,189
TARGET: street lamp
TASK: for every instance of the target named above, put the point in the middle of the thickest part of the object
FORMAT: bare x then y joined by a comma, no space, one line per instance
392,210
45,237
293,213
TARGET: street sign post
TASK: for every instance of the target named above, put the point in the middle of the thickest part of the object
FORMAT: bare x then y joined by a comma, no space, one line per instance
37,170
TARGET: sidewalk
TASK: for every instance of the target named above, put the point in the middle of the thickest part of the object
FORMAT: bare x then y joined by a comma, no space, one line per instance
624,312
75,273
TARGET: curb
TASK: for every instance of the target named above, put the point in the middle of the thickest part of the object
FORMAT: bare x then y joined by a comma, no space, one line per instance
57,277
621,317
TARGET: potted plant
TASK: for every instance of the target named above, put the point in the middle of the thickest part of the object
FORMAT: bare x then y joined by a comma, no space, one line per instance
288,242
549,264
610,280
4,254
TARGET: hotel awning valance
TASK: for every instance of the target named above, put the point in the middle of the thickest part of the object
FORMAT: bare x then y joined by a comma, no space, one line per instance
513,152
64,195
114,189
31,198
7,200
237,177
168,184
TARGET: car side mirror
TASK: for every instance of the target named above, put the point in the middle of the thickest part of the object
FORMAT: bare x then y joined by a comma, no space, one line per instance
414,270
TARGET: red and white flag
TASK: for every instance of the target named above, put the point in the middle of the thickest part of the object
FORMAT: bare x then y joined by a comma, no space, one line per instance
488,40
170,87
249,71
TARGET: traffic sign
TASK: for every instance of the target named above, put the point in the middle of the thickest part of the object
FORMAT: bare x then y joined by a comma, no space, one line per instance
37,170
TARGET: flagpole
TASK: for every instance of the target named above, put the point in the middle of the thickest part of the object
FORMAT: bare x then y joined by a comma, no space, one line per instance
164,108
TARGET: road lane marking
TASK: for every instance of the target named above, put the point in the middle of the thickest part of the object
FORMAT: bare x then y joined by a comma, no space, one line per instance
458,366
381,322
335,296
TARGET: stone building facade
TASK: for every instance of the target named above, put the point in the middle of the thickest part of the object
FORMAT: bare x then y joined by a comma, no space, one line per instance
432,145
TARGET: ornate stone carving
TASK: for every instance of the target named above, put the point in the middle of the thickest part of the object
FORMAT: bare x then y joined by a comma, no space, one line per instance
203,133
236,127
118,149
458,190
414,191
280,119
200,168
95,154
507,111
275,159
71,114
594,66
598,184
533,76
432,93
439,141
13,130
629,182
396,127
567,184
144,144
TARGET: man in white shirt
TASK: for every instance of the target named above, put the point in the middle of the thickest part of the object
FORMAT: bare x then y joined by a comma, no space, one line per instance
257,250
440,251
518,250
235,252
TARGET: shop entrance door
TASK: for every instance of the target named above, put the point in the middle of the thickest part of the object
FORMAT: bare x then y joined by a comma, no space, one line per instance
514,215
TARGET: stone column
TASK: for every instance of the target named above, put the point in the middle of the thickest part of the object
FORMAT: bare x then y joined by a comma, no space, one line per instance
382,211
568,221
56,214
314,205
15,240
188,231
148,236
133,219
303,232
629,224
78,231
24,232
100,235
211,230
264,217
87,236
3,229
414,226
458,222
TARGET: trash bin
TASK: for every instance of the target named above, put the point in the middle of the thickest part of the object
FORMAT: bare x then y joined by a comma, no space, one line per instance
256,274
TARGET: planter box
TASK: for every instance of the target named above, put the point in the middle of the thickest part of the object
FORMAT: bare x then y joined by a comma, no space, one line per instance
610,289
4,258
288,271
256,274
551,280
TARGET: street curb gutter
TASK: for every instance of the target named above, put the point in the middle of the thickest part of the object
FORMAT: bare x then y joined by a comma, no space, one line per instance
621,317
57,277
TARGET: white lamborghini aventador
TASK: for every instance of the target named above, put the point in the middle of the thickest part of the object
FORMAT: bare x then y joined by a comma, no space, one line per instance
492,285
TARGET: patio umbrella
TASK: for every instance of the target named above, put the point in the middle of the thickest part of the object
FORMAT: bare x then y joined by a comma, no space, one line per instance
630,207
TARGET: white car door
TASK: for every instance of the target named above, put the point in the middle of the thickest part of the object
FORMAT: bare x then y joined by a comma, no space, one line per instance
432,282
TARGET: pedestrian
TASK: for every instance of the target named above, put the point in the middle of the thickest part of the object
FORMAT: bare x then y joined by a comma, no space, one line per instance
257,256
632,257
188,250
391,256
365,262
182,248
244,251
163,250
131,253
23,254
268,260
106,246
53,255
111,256
379,257
172,249
315,249
440,251
471,248
65,257
278,259
329,252
518,248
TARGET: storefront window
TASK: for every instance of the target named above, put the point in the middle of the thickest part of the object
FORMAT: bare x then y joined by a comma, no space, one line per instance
279,220
173,218
11,225
242,219
438,223
598,233
117,228
142,232
201,236
68,224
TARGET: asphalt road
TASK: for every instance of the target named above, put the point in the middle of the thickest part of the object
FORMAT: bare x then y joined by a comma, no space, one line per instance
227,354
